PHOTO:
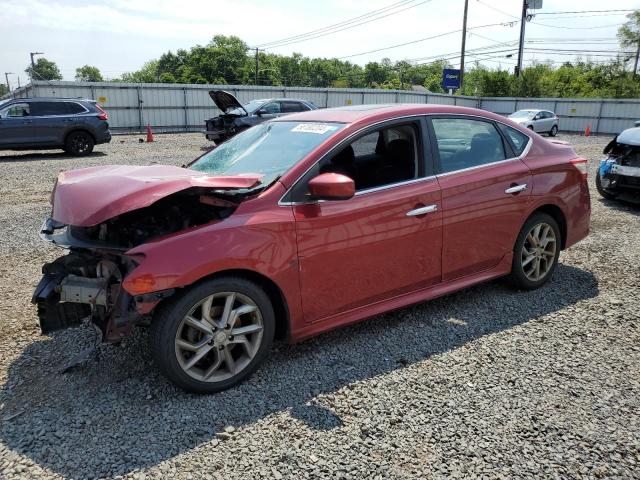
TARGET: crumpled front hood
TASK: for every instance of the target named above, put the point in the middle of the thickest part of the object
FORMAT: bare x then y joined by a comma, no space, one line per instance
89,196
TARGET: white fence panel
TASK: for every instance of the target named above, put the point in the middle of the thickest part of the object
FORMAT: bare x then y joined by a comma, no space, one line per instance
177,107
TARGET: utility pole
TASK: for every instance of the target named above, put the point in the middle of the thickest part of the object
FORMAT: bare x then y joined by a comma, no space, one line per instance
464,42
6,77
257,62
523,21
33,64
635,63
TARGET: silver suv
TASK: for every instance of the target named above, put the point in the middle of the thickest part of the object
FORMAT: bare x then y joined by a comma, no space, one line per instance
73,124
541,121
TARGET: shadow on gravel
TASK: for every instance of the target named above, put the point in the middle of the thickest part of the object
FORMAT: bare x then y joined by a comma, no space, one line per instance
627,203
117,414
47,155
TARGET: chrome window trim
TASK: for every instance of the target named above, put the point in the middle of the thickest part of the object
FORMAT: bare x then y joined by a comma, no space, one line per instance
524,153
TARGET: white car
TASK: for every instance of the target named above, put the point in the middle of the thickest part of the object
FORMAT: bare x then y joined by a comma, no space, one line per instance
541,121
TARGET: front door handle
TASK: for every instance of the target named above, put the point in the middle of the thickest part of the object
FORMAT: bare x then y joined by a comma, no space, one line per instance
422,210
516,189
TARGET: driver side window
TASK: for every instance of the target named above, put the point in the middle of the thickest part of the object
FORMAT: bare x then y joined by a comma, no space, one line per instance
384,156
272,108
17,110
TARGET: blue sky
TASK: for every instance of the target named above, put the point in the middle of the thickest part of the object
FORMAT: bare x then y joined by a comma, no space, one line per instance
120,35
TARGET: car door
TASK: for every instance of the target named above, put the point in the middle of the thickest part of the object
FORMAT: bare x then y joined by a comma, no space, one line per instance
383,242
485,193
49,121
15,125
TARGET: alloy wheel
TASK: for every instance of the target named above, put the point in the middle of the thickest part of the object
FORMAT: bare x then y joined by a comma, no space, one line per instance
219,337
538,251
79,143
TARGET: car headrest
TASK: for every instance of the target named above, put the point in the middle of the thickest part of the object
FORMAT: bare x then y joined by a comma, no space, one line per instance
346,156
399,148
485,145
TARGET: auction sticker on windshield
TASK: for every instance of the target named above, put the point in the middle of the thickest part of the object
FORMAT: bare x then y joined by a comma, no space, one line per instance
318,128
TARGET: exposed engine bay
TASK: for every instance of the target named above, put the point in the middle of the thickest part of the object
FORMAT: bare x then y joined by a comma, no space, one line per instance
87,282
619,172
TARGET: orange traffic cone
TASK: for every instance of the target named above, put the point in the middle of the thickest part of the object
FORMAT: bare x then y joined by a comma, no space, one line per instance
587,131
149,133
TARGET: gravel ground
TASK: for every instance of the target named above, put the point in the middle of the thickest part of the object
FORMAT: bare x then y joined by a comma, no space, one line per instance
488,382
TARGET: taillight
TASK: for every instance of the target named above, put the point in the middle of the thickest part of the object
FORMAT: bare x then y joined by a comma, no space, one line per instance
103,114
581,165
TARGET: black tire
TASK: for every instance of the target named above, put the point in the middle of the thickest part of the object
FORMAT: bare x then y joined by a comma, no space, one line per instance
168,319
603,193
530,127
518,277
554,131
79,143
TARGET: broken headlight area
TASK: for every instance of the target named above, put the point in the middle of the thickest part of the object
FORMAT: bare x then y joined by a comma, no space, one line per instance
87,282
620,170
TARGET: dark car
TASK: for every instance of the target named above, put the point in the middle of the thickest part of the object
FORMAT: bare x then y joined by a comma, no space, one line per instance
303,224
237,117
619,171
75,125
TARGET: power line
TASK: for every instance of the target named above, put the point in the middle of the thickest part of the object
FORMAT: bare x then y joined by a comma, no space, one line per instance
311,37
424,39
585,11
339,24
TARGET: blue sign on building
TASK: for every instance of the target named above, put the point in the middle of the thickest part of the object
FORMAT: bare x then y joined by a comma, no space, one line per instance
450,78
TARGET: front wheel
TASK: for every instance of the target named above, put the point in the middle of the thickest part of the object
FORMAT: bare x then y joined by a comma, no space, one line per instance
214,336
536,252
554,131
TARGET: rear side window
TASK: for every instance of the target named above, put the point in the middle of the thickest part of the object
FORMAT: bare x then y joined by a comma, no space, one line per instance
48,108
518,139
290,107
73,107
465,143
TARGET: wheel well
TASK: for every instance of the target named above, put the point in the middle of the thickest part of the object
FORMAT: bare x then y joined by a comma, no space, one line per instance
560,219
280,308
79,130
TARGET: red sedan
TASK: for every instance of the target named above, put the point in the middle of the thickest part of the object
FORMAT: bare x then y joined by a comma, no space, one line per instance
304,224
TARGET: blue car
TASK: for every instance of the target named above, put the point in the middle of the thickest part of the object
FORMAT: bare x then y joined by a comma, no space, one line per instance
75,125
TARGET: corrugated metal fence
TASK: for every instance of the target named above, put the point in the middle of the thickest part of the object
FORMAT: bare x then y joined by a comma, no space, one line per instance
178,107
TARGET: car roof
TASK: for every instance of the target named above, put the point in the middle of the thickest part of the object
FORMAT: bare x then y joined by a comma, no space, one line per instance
51,99
358,113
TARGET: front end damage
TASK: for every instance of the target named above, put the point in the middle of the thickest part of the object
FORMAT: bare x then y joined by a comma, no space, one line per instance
619,172
89,281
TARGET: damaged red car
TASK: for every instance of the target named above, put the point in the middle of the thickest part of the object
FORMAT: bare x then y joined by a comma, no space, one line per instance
303,224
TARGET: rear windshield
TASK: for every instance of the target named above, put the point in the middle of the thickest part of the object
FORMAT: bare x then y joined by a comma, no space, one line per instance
269,149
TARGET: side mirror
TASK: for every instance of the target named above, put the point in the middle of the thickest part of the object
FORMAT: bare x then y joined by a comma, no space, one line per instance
331,186
261,112
537,117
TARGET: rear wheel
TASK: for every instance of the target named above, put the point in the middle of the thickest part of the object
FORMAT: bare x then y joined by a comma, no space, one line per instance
214,336
554,131
536,252
79,144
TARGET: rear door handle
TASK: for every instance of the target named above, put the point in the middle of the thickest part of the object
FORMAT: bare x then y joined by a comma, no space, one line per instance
516,189
422,210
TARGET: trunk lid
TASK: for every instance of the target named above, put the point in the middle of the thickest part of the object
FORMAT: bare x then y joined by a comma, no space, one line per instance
226,102
90,196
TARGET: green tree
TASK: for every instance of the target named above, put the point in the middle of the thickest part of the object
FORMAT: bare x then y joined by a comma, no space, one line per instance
3,89
44,70
629,35
167,77
147,74
88,74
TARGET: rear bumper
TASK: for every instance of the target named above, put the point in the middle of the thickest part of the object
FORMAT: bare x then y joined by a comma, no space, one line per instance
104,137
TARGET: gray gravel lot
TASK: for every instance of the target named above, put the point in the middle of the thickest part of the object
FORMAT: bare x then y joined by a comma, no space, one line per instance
488,382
